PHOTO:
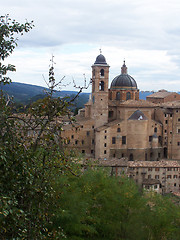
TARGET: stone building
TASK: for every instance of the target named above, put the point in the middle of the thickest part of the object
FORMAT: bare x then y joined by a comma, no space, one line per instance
161,176
163,96
116,124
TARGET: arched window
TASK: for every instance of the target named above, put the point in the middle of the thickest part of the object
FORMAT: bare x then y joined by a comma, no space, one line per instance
128,95
155,129
101,86
118,96
102,73
131,158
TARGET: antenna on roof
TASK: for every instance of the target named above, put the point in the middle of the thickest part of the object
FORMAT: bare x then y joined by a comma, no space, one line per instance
100,50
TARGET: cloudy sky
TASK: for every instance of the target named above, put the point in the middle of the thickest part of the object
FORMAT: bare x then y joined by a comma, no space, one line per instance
144,33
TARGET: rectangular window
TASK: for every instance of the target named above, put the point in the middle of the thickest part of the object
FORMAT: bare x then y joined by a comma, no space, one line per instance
72,136
104,144
105,137
123,139
92,151
150,138
87,133
149,176
178,143
150,169
168,176
92,141
76,142
113,140
82,142
83,151
156,176
178,130
157,169
110,114
104,151
175,176
166,122
169,169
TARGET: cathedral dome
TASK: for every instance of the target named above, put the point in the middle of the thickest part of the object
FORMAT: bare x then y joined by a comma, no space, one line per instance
124,81
100,60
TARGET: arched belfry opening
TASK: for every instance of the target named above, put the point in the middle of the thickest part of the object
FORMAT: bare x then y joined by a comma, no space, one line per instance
101,86
102,72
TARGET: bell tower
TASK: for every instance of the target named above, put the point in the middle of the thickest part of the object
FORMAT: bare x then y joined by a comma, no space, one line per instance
100,78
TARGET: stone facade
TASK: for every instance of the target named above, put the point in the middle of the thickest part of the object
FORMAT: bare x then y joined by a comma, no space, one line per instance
162,176
116,124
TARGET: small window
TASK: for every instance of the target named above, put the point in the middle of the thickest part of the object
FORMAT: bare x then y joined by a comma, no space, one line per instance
118,96
93,99
178,143
113,140
150,169
149,176
175,176
82,142
105,144
76,142
178,130
83,151
174,184
118,130
157,169
156,176
169,176
110,114
123,139
131,158
72,136
92,141
104,151
122,155
92,151
166,122
150,138
128,95
105,137
155,129
87,133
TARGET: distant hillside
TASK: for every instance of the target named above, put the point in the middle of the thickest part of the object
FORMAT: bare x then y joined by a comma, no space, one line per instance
26,93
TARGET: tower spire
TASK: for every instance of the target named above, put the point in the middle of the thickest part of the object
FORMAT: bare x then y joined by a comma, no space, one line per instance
124,68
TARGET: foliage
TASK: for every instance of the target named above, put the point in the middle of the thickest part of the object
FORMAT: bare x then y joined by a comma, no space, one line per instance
9,29
95,206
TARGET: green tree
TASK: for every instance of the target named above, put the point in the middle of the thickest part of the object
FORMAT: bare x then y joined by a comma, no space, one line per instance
9,29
